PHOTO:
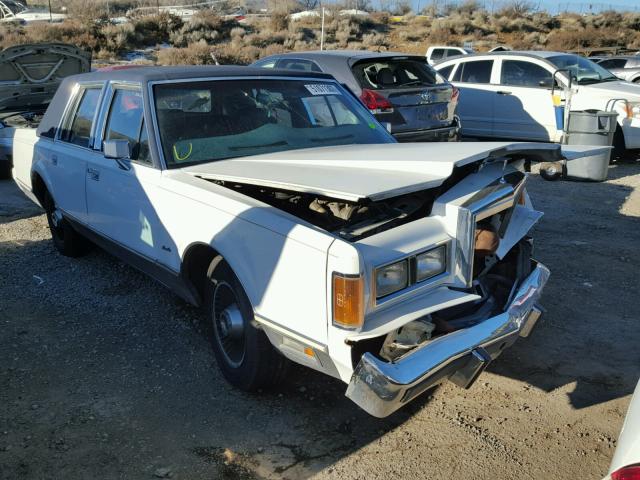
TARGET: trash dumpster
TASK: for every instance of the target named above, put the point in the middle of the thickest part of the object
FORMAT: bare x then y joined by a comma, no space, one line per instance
590,127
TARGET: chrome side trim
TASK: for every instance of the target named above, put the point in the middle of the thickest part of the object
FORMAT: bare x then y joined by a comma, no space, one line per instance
289,333
380,387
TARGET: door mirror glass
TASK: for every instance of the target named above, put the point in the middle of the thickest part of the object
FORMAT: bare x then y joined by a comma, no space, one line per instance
117,149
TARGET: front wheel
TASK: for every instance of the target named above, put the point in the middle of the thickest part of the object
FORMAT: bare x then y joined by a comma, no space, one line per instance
244,354
65,239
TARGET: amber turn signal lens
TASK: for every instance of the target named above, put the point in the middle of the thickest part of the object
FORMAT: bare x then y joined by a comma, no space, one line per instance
348,301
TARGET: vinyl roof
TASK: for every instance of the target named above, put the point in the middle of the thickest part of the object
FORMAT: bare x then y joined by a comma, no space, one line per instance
156,73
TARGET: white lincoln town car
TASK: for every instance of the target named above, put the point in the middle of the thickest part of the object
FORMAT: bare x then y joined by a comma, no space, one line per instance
275,200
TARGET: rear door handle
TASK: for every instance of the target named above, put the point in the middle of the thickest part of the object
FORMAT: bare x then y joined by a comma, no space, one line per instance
503,92
54,160
93,174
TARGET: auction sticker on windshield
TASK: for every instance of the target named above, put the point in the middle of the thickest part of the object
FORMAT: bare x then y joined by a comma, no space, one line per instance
322,89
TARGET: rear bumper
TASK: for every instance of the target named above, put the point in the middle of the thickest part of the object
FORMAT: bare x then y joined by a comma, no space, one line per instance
380,387
444,134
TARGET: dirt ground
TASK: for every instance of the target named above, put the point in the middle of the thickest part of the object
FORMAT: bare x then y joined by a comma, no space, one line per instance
104,374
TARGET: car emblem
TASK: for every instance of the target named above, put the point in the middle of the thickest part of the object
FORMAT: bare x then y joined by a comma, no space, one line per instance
425,97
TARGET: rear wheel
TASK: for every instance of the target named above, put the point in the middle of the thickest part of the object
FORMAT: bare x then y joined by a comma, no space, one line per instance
66,240
244,354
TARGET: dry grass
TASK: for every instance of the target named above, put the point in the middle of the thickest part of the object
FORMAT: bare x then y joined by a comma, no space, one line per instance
194,41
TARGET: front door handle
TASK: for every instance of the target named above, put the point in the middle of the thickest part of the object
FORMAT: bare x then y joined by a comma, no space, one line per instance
503,92
54,160
93,174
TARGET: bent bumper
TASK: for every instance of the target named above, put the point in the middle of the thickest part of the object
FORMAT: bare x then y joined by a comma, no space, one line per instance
380,387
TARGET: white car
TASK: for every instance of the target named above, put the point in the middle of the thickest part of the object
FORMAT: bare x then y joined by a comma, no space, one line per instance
509,95
277,202
438,53
15,11
626,461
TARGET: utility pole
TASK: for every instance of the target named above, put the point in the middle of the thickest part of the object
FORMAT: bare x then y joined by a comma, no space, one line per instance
322,31
50,16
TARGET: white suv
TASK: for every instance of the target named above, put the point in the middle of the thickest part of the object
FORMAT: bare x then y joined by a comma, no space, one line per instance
509,95
438,53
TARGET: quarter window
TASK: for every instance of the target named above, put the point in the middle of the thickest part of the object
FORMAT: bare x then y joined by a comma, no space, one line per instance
126,122
518,73
474,72
79,132
446,71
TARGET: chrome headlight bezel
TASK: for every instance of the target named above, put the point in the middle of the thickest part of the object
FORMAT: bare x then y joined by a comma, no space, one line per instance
411,265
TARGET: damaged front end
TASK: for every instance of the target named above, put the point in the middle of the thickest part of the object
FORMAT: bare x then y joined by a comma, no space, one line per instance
493,266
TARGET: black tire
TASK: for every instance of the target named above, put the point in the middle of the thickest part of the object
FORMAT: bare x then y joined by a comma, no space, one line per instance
5,171
245,356
619,146
66,240
551,171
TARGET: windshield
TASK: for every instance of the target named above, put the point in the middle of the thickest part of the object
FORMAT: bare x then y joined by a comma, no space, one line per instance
398,72
213,120
583,71
15,7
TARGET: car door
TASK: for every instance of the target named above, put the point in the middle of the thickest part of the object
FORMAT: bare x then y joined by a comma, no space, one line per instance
475,108
67,160
119,191
523,105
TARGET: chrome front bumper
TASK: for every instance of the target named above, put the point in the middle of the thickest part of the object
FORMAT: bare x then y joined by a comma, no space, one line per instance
380,387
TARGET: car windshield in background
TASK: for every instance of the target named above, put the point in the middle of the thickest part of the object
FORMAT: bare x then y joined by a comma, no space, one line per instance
583,71
214,120
396,72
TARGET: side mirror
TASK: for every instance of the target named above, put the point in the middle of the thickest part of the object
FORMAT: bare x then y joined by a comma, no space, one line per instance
117,149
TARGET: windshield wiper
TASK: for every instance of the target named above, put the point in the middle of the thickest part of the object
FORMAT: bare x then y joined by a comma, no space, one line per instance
280,143
331,139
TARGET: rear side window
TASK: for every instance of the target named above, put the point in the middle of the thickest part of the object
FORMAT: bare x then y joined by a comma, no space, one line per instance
614,63
125,122
79,131
452,52
395,73
474,72
268,63
518,73
437,54
298,64
446,71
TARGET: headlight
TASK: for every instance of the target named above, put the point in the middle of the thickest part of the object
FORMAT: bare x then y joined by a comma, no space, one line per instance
391,278
431,263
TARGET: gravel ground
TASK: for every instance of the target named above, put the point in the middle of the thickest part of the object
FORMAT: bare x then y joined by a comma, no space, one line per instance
104,374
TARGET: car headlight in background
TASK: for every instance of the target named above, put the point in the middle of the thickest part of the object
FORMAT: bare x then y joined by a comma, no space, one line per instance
430,264
391,278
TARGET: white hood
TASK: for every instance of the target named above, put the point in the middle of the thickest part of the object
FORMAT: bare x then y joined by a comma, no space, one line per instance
617,89
357,172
